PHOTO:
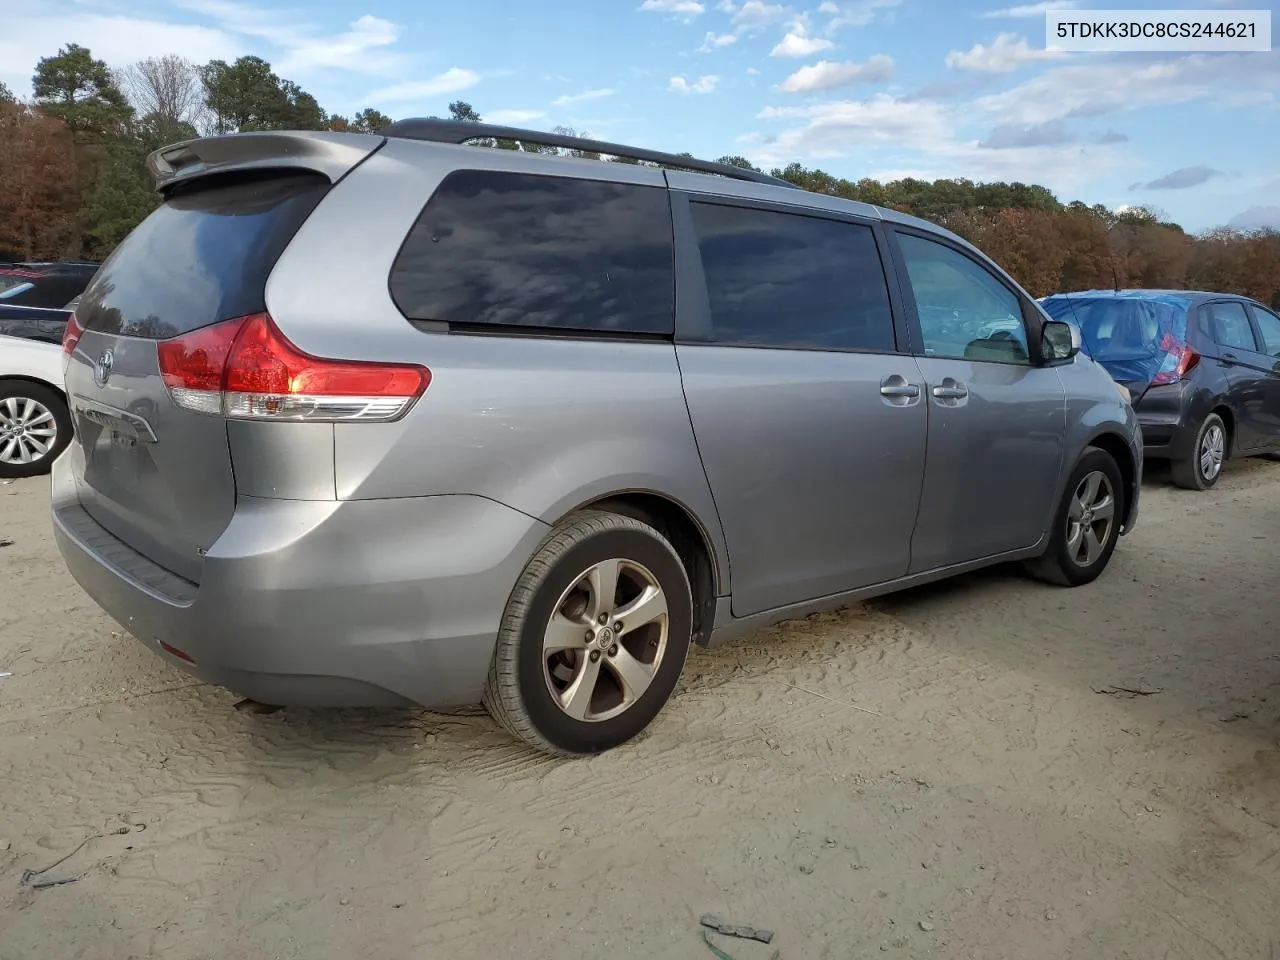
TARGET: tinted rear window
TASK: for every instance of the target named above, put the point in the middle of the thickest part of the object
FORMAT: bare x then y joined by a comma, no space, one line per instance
202,256
522,250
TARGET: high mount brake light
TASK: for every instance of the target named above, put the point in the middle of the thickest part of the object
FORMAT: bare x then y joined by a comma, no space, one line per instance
246,369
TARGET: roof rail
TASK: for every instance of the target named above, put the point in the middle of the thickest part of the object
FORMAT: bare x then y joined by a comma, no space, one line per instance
462,131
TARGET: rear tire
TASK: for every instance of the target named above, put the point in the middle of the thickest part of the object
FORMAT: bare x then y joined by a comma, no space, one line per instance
1086,526
35,426
1203,468
593,638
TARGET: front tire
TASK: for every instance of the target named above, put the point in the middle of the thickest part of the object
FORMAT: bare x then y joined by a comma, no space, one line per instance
35,426
1086,527
593,638
1202,469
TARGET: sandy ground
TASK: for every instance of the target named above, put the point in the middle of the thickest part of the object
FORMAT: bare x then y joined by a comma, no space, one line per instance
931,775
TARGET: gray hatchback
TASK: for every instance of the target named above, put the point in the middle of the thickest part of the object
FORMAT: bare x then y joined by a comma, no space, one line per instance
394,419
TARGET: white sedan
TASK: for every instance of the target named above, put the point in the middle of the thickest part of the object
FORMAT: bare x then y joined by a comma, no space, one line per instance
35,424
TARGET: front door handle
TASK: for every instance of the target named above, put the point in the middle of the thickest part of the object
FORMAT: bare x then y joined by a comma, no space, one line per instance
896,387
950,390
899,390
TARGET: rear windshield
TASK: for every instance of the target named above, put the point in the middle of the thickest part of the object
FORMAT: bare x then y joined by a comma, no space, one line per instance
1126,331
202,256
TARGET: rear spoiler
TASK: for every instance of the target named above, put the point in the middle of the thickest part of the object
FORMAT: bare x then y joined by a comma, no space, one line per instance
331,154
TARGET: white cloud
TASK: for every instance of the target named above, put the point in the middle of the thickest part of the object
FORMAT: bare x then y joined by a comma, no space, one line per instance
755,14
1006,53
855,13
1083,89
728,6
119,40
704,84
598,94
832,126
247,19
453,80
513,117
715,41
797,44
679,8
361,48
921,138
1029,10
752,72
299,48
343,52
827,75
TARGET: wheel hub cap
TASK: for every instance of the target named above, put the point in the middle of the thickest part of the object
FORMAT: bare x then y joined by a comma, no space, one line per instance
1212,452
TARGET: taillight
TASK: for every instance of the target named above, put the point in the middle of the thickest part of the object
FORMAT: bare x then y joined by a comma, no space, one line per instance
71,335
246,369
1179,360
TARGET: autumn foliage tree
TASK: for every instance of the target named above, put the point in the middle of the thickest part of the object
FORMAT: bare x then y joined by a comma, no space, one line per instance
39,215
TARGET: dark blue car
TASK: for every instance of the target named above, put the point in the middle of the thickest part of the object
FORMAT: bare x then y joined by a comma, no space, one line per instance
1203,370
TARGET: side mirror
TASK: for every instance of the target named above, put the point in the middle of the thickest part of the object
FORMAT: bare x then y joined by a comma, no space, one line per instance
1059,341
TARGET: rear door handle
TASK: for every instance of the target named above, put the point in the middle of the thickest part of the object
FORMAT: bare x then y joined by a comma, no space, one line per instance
951,391
897,386
1230,359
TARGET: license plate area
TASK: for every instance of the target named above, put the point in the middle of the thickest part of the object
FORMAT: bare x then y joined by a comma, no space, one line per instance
115,444
123,428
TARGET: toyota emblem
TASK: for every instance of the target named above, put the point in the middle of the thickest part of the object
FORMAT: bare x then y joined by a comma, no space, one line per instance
102,369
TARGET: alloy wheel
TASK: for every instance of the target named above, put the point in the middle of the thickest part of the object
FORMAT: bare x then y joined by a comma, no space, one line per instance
1089,518
605,640
28,430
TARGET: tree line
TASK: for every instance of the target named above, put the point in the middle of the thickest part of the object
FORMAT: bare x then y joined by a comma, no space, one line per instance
73,181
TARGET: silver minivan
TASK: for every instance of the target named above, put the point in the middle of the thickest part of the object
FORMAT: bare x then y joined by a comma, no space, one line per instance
398,419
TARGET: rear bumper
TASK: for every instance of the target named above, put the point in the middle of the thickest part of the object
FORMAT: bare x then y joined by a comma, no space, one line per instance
1164,440
1168,431
320,603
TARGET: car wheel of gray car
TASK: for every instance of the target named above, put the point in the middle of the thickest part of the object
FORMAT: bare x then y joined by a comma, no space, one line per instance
594,636
1201,470
1087,525
35,426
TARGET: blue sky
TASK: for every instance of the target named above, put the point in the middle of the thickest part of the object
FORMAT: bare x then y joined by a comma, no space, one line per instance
879,88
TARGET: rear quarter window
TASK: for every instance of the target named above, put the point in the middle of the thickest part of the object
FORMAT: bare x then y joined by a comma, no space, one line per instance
521,250
1228,325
